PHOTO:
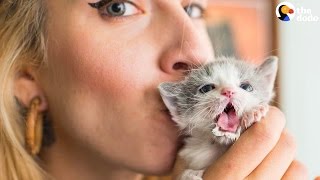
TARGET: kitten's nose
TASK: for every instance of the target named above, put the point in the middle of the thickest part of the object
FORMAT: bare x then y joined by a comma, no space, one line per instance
228,92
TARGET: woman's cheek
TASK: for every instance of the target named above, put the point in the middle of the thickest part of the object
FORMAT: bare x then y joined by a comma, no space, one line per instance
110,70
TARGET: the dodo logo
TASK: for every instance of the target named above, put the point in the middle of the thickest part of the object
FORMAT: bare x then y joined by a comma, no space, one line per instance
285,11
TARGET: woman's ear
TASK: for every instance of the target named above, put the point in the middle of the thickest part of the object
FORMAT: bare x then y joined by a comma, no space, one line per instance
27,88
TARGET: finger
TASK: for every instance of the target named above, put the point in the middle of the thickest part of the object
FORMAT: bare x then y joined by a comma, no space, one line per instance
296,171
278,160
251,148
317,178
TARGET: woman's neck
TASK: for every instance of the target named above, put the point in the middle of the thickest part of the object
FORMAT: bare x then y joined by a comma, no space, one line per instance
65,161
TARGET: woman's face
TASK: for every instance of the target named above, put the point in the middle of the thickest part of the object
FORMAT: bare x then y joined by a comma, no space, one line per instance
104,66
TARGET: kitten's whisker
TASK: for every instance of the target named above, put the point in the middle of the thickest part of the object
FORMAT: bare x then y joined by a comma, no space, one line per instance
194,65
197,114
202,111
193,121
206,118
270,52
204,103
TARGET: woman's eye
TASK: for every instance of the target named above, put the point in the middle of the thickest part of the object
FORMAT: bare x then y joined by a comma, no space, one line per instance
247,87
206,88
194,11
116,8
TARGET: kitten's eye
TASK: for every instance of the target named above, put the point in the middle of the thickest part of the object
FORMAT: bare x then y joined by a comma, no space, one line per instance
194,10
116,8
206,88
247,87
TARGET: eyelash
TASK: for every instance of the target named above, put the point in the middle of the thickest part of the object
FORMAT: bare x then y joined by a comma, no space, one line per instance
202,9
102,3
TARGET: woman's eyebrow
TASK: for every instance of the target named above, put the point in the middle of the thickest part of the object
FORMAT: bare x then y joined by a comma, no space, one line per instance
99,4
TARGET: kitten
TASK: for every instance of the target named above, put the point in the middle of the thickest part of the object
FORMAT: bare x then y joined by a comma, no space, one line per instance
214,104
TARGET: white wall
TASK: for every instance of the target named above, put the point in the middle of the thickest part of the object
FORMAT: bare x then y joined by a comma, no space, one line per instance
300,83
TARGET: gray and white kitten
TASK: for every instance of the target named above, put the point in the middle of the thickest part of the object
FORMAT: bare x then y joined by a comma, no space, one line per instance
214,104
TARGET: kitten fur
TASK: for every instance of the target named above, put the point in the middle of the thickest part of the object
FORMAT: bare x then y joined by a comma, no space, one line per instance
197,112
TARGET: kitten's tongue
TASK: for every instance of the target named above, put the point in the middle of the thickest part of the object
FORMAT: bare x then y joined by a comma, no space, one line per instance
228,121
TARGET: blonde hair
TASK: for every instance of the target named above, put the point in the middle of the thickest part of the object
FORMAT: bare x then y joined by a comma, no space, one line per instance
22,43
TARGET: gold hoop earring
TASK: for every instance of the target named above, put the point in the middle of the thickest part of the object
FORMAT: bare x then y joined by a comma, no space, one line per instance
34,127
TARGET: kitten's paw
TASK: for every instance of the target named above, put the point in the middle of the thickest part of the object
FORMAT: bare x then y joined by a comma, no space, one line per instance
254,115
190,174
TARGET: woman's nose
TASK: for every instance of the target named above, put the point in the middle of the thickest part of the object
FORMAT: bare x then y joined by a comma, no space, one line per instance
188,45
188,55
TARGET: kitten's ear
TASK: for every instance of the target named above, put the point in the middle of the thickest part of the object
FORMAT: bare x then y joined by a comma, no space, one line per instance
268,70
169,92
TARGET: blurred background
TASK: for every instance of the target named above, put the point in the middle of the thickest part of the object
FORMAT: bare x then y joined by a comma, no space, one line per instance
250,30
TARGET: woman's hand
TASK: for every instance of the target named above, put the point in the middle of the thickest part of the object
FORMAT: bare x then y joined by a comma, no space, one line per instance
264,151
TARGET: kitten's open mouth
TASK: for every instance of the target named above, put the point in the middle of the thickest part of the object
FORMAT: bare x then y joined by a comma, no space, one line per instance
228,121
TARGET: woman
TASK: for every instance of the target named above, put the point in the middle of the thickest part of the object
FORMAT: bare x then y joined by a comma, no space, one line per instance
92,70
